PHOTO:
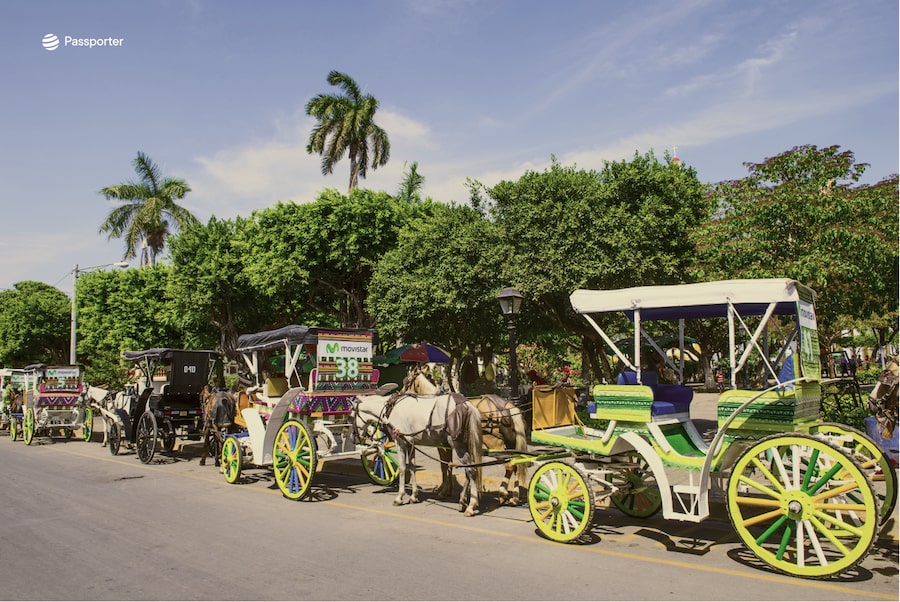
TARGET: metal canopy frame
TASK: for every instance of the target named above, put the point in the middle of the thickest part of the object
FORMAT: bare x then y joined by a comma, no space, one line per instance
733,300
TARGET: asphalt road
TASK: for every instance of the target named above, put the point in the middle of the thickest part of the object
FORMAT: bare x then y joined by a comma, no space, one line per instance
79,523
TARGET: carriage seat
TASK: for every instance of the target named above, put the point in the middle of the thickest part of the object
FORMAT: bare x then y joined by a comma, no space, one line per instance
275,387
667,399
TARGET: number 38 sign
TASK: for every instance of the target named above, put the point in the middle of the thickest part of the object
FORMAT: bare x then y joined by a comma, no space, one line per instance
344,357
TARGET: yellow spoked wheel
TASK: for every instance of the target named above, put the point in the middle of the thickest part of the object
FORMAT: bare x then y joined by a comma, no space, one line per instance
380,459
294,459
802,505
232,461
638,493
13,428
869,457
87,425
28,427
560,501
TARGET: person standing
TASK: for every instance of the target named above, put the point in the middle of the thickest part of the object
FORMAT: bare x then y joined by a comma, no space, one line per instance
720,380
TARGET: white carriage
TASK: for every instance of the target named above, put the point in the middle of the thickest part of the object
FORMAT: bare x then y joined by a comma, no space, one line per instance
295,422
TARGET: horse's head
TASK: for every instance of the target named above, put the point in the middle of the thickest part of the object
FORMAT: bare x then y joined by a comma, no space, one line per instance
420,383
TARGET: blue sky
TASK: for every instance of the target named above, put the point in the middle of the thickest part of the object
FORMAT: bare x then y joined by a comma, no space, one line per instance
214,92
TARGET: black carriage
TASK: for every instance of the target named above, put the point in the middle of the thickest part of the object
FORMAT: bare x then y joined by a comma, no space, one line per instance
167,403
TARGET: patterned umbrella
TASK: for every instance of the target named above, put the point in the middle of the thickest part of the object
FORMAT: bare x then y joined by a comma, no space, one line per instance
418,353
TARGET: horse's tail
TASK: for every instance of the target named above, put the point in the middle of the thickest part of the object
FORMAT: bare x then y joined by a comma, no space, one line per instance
521,430
475,439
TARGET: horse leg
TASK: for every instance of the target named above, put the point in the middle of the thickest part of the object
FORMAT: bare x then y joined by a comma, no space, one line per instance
105,433
468,497
446,457
205,436
404,462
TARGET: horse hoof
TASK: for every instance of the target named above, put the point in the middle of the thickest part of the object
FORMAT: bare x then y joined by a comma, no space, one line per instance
513,501
471,512
202,462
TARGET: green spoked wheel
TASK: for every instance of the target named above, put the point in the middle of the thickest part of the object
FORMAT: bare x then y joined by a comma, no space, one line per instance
638,492
560,501
28,426
294,459
232,460
869,458
146,437
114,435
380,459
802,505
87,426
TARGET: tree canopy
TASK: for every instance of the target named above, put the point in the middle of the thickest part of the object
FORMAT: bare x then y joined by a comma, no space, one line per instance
148,212
34,325
346,125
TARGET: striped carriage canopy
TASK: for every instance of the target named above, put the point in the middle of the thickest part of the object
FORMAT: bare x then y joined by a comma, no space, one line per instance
700,300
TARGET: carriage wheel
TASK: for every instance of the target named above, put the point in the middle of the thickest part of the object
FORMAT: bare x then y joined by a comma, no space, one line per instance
114,435
869,458
168,436
13,428
87,427
638,493
379,461
560,501
146,437
294,459
28,426
232,460
802,505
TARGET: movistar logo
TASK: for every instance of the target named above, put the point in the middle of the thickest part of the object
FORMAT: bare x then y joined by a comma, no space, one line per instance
332,347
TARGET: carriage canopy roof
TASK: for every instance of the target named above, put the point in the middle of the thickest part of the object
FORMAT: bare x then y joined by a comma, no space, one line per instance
162,354
294,334
701,300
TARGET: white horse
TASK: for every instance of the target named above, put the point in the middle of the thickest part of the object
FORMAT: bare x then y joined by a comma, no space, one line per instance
448,422
502,424
111,407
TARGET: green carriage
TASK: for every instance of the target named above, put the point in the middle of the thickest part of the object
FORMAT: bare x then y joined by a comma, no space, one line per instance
805,497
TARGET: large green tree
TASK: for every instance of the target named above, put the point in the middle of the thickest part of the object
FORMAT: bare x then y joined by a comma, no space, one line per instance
801,215
440,283
148,211
210,287
346,126
320,255
567,228
127,310
34,325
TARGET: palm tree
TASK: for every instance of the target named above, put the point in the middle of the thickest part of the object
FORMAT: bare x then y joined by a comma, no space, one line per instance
148,212
346,126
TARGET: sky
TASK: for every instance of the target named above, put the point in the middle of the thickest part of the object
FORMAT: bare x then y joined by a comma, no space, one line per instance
214,91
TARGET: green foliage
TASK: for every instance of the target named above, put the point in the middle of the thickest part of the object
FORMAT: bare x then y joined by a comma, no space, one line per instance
148,212
209,286
346,125
321,255
125,310
34,325
843,408
439,284
567,228
870,375
797,215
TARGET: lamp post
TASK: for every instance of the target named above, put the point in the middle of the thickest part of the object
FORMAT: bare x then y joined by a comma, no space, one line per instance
510,302
73,355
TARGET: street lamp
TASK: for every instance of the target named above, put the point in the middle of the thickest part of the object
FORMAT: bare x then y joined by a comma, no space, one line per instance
510,302
73,356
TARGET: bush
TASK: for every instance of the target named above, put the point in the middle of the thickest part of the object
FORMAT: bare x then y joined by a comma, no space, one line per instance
870,375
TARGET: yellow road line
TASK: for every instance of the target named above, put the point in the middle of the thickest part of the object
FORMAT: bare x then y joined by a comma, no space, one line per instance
535,540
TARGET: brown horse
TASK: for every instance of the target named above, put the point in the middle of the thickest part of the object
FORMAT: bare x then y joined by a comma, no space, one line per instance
503,428
218,421
883,400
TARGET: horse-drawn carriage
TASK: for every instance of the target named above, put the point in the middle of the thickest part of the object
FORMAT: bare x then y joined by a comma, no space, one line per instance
12,387
55,402
164,404
805,497
294,420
